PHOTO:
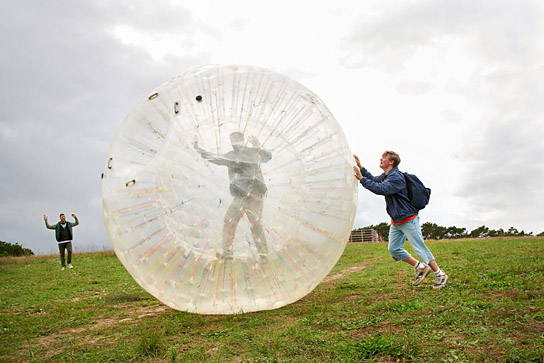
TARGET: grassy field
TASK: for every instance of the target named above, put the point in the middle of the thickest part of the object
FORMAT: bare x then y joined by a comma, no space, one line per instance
365,310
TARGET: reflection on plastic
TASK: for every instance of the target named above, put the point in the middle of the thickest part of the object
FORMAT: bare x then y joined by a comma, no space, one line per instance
231,191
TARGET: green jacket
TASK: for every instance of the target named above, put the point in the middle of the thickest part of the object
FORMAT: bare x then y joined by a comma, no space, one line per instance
57,227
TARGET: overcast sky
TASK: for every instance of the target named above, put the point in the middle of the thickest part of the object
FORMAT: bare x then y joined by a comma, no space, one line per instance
454,86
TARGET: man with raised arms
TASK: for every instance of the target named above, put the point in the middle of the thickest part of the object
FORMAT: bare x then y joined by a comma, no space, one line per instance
64,236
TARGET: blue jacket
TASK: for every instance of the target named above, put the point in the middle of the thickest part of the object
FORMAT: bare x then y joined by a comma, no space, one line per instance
393,186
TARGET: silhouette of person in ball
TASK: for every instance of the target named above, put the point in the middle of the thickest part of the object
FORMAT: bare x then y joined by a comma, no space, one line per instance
247,186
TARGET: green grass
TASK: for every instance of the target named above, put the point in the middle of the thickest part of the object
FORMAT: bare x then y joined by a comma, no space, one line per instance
366,310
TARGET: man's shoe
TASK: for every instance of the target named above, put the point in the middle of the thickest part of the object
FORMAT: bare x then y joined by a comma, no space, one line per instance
63,268
70,265
440,282
421,273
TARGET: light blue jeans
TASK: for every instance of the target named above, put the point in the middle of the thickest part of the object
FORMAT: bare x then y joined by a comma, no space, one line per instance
411,230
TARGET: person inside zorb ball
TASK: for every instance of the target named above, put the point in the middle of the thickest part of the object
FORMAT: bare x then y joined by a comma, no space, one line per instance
229,189
248,189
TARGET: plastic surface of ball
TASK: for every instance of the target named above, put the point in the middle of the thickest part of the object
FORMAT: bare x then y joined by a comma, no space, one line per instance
229,189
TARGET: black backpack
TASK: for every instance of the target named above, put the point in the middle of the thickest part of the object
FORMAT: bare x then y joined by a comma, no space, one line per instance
418,194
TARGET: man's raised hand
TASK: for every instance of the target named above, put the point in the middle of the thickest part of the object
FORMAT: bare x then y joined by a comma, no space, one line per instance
254,141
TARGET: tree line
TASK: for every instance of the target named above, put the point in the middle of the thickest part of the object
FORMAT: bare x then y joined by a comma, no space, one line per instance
434,231
14,249
429,231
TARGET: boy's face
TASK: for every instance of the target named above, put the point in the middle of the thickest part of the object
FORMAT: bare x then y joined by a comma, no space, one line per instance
385,162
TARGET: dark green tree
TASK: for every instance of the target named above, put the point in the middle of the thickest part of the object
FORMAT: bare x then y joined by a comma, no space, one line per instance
14,249
456,232
496,233
479,232
512,232
433,231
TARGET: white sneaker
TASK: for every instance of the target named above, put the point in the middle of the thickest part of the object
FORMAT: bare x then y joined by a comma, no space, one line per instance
440,282
63,268
421,273
70,265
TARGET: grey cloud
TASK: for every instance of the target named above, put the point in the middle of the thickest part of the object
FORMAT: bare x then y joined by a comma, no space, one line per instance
504,170
501,175
67,85
492,29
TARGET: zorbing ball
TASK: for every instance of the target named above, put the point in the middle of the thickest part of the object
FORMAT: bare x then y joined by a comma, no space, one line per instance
229,189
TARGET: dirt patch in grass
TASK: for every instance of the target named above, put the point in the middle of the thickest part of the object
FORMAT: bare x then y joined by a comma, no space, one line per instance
47,342
343,273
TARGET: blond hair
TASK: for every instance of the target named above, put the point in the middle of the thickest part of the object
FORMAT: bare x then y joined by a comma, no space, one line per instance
392,156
